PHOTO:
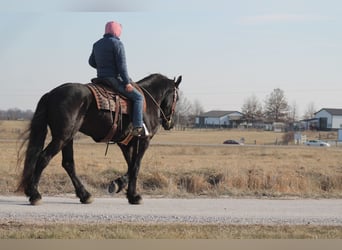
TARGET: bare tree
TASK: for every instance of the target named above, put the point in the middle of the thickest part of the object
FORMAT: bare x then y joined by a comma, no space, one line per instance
293,112
186,111
276,106
310,111
15,114
183,111
197,108
252,109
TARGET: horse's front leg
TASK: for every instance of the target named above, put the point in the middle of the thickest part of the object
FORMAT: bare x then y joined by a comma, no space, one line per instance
133,197
134,153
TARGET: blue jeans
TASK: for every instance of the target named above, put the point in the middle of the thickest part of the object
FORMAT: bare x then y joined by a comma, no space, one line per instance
135,96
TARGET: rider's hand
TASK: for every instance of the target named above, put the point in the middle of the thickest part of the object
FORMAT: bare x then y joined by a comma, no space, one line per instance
129,87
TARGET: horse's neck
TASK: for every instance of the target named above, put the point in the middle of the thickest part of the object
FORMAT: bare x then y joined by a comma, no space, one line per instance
152,92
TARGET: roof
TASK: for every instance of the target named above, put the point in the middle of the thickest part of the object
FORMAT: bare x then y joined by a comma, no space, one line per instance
331,111
218,113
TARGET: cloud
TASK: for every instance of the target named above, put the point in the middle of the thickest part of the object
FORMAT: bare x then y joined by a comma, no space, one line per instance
280,18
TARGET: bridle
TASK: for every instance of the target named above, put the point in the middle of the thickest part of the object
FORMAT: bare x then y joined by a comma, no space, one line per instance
173,108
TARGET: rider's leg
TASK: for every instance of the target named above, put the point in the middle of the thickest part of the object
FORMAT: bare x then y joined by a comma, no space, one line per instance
137,98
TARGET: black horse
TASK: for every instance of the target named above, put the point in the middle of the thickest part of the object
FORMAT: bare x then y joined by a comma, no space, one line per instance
70,108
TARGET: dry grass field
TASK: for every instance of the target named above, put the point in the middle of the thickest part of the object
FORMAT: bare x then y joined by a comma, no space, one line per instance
168,231
186,164
192,163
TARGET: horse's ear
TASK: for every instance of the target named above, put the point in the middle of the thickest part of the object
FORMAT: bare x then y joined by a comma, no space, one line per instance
178,81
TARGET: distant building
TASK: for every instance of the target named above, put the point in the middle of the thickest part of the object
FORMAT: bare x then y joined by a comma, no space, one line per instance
329,118
308,124
219,118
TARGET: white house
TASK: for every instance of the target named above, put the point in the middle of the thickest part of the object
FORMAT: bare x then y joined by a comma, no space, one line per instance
218,118
329,118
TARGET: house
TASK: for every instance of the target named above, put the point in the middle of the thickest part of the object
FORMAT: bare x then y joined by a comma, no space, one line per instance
219,118
329,118
308,124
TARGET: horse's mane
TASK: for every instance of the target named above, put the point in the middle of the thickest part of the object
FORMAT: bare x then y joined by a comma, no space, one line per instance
152,78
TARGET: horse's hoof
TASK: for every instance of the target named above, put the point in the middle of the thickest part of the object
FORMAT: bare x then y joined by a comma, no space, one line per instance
36,201
112,187
88,200
135,200
115,187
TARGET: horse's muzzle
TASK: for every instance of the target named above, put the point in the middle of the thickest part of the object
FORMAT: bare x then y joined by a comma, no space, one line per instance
167,124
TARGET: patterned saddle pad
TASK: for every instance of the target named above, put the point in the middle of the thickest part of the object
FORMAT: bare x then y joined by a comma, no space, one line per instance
106,99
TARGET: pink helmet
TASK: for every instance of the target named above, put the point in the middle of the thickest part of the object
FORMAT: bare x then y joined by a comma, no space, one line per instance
113,28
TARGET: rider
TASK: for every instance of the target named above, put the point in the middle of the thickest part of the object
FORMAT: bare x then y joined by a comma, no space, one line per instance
108,57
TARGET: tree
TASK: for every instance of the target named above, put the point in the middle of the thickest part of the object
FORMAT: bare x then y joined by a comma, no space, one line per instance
186,111
183,111
252,109
293,112
276,106
197,108
310,111
15,114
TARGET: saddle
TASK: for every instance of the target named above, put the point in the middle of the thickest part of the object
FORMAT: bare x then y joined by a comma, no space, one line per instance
109,100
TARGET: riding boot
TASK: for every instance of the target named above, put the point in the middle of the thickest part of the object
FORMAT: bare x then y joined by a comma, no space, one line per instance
138,131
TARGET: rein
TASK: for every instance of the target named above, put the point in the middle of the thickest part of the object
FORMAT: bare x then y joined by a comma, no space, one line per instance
158,106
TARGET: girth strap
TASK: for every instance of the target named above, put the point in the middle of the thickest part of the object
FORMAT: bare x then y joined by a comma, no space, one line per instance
114,127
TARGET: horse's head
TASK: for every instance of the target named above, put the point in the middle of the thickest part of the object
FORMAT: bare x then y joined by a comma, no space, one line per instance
168,105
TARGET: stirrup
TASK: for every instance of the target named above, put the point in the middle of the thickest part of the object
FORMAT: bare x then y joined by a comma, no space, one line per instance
137,131
140,131
146,130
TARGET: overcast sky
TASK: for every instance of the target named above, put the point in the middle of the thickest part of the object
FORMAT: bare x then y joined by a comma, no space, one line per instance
226,50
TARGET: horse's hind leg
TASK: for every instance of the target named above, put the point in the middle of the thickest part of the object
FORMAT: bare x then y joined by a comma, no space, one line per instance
43,160
69,165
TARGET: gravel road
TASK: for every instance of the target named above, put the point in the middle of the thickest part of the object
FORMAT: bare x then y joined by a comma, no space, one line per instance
67,209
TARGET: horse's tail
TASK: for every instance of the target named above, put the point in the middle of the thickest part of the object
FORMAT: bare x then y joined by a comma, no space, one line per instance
35,136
